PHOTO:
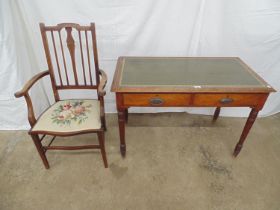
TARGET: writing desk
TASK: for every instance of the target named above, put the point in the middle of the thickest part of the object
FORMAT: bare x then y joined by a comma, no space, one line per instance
187,82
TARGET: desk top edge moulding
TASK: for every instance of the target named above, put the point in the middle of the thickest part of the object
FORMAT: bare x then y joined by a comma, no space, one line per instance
186,74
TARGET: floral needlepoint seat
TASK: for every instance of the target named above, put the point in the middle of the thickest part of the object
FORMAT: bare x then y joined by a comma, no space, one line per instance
70,116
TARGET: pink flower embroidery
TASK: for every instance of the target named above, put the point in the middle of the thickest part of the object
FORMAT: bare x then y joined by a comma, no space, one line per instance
60,117
71,111
67,106
79,109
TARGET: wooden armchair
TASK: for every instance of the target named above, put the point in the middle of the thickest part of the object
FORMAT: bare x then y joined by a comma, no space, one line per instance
73,116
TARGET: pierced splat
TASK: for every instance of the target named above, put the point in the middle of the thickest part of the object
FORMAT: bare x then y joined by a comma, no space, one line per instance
71,47
82,64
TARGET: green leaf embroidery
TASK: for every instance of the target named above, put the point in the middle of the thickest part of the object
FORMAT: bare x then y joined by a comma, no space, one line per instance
70,112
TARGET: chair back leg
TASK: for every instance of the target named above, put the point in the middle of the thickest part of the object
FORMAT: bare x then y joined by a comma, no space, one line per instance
40,150
102,147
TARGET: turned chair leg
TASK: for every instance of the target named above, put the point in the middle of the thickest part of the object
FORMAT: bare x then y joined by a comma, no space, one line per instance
102,147
40,150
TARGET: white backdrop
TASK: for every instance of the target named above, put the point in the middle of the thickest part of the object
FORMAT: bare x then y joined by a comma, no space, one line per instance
247,29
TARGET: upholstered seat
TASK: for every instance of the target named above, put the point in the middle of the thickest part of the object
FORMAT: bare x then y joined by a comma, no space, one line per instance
69,116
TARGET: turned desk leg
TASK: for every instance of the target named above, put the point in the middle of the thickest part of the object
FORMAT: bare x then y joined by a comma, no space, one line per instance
121,118
216,114
126,115
249,123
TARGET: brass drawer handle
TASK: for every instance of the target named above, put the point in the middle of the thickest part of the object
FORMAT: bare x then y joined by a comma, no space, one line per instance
226,100
156,101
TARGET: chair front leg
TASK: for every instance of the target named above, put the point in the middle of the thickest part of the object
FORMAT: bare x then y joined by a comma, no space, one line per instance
103,122
102,147
102,112
40,150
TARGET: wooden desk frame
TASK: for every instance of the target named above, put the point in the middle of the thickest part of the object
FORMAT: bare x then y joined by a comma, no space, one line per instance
176,96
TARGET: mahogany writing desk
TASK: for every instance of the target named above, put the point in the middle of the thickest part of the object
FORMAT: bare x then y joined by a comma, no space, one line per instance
187,82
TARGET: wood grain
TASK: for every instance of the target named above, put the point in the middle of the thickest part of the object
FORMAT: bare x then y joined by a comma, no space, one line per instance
145,99
238,99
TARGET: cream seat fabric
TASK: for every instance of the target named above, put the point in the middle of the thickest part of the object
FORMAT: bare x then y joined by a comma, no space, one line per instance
70,116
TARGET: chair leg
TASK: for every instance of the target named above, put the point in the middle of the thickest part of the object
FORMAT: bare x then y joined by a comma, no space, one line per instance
40,150
103,122
102,147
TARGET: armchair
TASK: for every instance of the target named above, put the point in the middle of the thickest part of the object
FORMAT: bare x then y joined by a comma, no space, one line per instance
72,116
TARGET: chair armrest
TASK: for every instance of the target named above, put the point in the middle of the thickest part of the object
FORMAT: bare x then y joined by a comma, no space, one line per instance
24,92
102,83
30,83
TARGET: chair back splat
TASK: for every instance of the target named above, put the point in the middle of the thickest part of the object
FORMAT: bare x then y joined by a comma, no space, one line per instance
72,58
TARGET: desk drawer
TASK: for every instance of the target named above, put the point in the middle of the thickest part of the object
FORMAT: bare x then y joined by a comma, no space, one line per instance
242,99
156,99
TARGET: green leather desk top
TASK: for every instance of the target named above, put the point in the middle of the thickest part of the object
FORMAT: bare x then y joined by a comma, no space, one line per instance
188,72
